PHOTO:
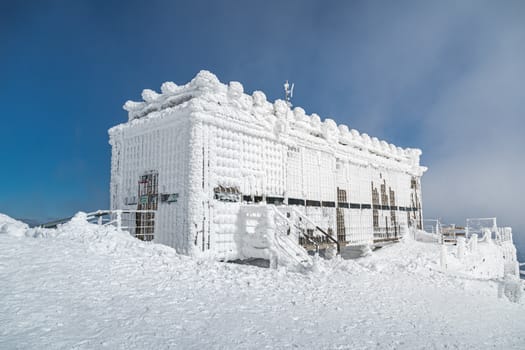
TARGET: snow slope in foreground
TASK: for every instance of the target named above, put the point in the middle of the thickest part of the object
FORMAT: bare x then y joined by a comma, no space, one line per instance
83,286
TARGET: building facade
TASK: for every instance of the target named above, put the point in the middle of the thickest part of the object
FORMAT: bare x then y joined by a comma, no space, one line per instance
198,155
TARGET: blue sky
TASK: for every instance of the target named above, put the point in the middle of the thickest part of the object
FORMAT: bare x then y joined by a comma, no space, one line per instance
447,77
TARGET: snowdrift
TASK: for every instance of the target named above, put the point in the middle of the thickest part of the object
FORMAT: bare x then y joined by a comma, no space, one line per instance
12,227
86,286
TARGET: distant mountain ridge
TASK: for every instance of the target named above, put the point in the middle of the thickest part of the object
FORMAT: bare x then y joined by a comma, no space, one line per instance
35,222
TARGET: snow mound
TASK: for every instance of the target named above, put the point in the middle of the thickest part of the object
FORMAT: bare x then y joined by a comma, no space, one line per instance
79,228
87,286
407,256
12,227
98,239
424,258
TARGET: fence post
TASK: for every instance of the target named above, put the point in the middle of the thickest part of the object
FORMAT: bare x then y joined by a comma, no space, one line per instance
487,234
119,219
461,247
474,243
443,257
439,232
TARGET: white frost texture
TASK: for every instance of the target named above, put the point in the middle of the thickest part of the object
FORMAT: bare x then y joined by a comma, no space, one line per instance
217,149
84,286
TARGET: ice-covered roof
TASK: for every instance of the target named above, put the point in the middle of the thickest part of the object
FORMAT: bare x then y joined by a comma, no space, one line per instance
275,115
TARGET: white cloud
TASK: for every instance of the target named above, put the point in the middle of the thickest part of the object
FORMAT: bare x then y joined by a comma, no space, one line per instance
476,131
454,74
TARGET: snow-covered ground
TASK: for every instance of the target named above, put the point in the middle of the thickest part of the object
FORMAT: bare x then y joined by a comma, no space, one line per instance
87,287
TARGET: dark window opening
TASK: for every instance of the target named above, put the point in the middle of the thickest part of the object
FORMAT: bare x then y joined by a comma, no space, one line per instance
227,194
295,201
275,200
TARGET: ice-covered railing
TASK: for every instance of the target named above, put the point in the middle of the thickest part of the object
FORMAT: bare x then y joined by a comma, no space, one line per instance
483,228
432,226
488,227
305,223
466,241
125,220
286,229
284,224
277,115
480,226
267,234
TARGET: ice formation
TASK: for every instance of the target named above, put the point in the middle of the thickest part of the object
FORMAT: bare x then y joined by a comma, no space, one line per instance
217,149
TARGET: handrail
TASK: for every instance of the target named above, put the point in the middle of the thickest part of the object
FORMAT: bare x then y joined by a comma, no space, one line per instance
306,218
55,223
123,211
95,214
280,242
291,224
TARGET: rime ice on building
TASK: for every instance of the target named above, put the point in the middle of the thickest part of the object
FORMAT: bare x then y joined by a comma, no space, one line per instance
233,176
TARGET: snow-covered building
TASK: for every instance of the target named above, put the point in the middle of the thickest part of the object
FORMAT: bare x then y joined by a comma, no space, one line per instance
217,167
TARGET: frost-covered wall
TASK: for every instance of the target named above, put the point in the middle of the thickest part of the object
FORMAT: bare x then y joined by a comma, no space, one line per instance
159,145
219,149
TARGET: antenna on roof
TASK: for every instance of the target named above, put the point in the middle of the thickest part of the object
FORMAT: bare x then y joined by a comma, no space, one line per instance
288,93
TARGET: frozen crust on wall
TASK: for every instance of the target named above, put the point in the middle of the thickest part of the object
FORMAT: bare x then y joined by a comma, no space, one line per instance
207,135
158,143
219,103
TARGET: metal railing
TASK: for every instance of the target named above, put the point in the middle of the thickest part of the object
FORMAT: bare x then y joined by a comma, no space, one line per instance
284,224
450,233
287,237
480,226
432,226
307,225
139,223
504,234
484,228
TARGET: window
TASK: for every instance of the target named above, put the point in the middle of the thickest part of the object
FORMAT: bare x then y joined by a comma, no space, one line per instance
148,201
227,194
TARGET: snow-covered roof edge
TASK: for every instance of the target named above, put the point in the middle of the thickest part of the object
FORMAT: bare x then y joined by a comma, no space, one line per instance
205,83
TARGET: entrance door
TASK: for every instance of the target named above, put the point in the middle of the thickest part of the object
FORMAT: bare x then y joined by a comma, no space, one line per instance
340,215
148,200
